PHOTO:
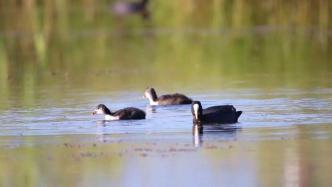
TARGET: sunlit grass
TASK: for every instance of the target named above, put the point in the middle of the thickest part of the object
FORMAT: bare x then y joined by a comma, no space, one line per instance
184,44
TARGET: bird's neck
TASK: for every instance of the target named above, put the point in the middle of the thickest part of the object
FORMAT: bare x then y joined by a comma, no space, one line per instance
153,99
152,96
152,102
107,111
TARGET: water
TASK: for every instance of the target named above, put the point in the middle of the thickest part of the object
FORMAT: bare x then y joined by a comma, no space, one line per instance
282,139
59,60
282,108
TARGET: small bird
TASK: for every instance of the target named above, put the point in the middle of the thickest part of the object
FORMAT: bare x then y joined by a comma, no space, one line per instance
216,114
122,8
168,99
129,113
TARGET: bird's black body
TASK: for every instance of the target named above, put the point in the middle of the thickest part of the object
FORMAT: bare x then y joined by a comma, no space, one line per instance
129,113
168,99
174,99
222,114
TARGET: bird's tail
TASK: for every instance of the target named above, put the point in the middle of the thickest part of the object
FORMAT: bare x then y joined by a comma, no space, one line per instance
238,114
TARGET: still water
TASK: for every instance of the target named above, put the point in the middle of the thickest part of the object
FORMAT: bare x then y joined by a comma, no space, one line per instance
58,61
283,108
283,139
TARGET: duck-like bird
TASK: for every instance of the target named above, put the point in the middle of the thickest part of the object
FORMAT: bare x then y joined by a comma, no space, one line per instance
122,8
222,114
168,99
129,113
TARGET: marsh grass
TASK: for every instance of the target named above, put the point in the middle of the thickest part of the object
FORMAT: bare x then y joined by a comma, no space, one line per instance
70,43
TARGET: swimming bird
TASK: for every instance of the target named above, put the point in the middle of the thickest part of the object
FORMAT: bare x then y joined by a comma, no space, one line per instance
122,8
123,114
216,114
168,99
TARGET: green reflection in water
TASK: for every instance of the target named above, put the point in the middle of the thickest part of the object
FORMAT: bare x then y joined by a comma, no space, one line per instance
296,156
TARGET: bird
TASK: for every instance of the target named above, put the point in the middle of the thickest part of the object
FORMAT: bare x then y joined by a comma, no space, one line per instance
122,8
168,99
129,113
223,114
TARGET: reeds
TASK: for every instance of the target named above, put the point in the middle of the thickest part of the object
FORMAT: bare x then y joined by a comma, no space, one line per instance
77,39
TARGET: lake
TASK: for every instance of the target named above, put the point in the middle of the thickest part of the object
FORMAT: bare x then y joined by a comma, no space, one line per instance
58,61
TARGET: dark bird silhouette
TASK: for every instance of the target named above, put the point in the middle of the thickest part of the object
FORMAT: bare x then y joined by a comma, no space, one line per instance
222,114
168,99
129,113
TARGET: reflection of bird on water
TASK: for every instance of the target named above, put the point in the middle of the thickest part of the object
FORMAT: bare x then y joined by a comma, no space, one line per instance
216,131
216,114
197,134
122,8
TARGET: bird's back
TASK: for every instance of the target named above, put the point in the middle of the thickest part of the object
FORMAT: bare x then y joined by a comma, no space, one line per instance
220,108
221,114
130,113
174,99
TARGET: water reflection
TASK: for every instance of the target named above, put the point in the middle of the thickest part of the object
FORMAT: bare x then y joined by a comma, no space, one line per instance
219,130
150,109
197,135
102,123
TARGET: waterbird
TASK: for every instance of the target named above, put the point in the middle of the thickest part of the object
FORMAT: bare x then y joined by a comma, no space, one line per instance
168,99
122,8
129,113
223,114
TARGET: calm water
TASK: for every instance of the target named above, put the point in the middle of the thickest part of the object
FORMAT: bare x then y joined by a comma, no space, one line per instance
283,139
58,61
283,108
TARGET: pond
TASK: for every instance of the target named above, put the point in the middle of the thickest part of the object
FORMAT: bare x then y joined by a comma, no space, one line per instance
58,61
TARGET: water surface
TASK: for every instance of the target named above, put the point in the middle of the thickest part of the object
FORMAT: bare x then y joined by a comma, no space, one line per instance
282,139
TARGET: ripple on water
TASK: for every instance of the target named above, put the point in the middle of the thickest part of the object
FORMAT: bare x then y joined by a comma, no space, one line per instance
283,109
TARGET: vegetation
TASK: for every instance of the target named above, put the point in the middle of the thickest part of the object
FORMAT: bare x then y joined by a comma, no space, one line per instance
65,44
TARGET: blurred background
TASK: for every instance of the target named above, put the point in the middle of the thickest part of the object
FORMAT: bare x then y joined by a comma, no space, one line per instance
270,58
92,45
